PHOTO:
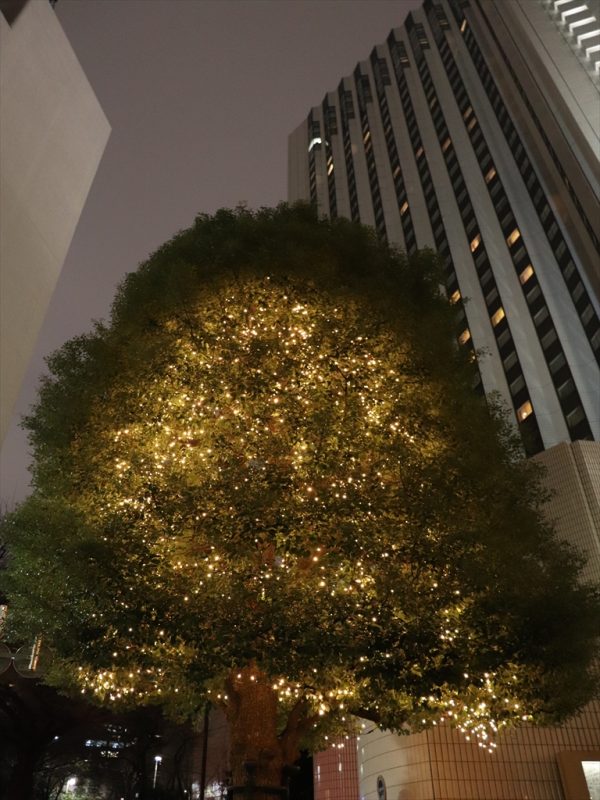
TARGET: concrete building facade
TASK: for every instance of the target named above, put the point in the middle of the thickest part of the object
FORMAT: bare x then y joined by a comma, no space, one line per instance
448,136
52,136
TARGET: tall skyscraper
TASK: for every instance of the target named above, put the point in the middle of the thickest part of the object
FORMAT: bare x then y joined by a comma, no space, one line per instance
475,130
52,136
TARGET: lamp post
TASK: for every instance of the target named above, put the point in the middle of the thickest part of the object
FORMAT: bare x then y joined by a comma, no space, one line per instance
157,761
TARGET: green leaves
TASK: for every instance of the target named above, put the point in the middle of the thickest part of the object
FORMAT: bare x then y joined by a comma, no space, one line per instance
272,454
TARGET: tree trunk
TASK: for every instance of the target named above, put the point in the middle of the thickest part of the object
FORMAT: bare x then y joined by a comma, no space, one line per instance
256,751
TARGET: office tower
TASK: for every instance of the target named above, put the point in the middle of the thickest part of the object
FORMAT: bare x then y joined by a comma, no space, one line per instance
52,136
475,130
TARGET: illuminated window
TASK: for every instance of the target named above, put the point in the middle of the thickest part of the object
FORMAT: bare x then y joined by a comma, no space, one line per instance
475,243
397,171
472,124
419,153
468,112
367,136
463,26
465,336
491,173
513,236
526,274
498,316
455,296
446,145
330,169
524,411
404,207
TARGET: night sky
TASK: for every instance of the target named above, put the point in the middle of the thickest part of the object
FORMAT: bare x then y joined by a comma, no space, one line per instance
201,96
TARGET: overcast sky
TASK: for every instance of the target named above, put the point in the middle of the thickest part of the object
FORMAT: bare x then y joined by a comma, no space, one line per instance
201,96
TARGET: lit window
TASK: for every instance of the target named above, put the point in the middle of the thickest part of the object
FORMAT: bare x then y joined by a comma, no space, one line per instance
472,124
419,153
468,112
455,296
397,171
513,236
404,207
475,243
330,169
498,316
367,136
524,411
465,336
490,174
526,274
446,145
463,25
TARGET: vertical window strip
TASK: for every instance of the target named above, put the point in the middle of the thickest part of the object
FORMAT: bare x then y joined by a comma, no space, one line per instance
314,136
519,255
347,113
400,63
532,440
363,95
410,241
329,129
530,177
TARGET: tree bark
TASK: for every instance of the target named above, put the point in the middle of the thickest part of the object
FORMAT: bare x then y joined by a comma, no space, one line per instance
255,749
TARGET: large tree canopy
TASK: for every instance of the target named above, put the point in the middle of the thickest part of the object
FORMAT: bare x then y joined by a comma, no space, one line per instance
267,481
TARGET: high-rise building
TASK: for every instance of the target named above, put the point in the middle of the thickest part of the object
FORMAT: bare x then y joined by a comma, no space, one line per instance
52,135
475,130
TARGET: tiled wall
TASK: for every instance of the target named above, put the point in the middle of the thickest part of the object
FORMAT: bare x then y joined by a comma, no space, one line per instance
336,772
440,764
573,474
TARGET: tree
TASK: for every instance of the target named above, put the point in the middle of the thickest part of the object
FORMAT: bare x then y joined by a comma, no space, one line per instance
267,482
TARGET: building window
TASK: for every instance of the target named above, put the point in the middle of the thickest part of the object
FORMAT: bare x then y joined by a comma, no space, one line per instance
526,274
464,336
517,385
404,207
557,362
475,242
498,316
575,416
566,389
587,314
549,338
533,294
446,144
455,296
513,236
524,411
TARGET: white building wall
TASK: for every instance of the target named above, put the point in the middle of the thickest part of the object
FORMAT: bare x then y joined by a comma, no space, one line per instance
52,136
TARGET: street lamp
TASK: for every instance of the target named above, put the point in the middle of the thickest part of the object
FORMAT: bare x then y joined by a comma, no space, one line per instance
157,760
